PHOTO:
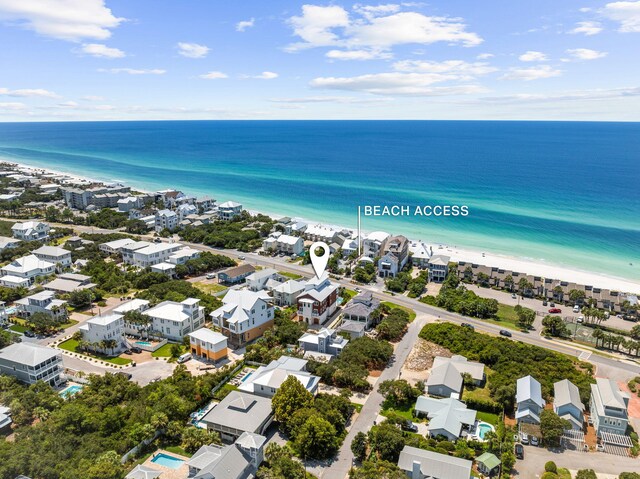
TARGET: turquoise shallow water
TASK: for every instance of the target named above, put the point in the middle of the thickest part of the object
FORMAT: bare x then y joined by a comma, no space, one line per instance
561,192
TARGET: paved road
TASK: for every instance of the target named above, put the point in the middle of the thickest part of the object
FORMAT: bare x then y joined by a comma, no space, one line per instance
344,459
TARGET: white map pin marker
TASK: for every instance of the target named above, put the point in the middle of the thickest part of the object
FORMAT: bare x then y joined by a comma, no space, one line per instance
319,263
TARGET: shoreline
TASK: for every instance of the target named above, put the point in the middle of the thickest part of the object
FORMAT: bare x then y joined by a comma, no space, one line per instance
512,263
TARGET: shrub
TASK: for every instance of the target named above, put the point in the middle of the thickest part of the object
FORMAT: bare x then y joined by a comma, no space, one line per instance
550,466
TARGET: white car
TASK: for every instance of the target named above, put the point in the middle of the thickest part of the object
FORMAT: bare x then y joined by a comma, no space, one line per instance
576,309
580,319
210,276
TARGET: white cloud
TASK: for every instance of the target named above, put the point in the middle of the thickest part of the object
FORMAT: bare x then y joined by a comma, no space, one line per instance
92,98
412,84
371,11
627,13
586,53
357,55
464,69
244,24
134,71
214,76
101,51
599,94
584,9
485,56
192,50
71,20
28,92
533,56
12,106
587,28
532,73
375,29
266,76
329,99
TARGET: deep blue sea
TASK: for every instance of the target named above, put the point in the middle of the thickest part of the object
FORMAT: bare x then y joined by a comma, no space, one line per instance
562,192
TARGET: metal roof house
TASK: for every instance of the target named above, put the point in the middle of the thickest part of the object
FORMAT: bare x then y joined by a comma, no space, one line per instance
447,417
529,400
423,464
567,403
237,461
608,408
237,413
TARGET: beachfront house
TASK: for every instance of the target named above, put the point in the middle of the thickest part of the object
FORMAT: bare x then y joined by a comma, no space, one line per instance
438,265
166,220
567,403
362,308
320,232
319,301
235,275
448,417
243,316
31,231
105,333
422,464
54,254
43,302
30,363
395,254
419,254
609,411
529,402
290,245
266,380
207,344
129,203
173,320
373,243
23,272
229,210
325,343
237,413
239,460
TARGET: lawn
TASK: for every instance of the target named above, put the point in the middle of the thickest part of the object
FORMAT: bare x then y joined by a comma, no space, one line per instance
164,351
489,417
506,317
177,450
210,288
18,328
348,294
356,406
406,412
72,346
290,275
68,324
412,313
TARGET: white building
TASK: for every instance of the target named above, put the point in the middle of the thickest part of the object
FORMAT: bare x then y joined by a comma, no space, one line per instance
286,294
31,363
42,302
420,254
183,255
127,250
185,210
105,333
24,271
291,245
609,411
207,344
129,203
136,304
115,247
529,402
166,220
175,320
229,210
244,316
153,254
257,281
321,232
6,243
54,254
373,243
31,231
266,380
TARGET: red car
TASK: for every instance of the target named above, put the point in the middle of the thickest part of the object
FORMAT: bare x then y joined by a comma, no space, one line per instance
555,310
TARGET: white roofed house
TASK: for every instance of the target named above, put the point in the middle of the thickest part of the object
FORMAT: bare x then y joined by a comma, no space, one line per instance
257,280
529,402
448,417
31,231
321,233
423,464
567,403
438,266
266,380
54,254
286,294
29,363
325,342
23,272
291,245
207,344
446,377
153,254
229,210
6,243
139,327
372,243
361,308
243,316
115,247
175,320
239,460
42,302
129,203
105,333
166,220
69,282
183,255
128,249
237,413
318,302
420,254
609,411
395,255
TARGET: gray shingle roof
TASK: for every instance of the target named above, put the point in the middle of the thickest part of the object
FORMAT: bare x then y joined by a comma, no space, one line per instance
29,354
241,411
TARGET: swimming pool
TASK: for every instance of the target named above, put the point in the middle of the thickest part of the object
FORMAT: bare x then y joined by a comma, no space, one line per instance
483,428
11,310
71,391
245,377
167,461
144,343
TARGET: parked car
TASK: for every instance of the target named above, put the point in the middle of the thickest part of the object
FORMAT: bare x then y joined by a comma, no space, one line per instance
576,309
553,305
600,447
136,349
519,451
580,319
513,295
504,332
210,276
409,426
467,325
29,334
534,441
544,303
157,240
555,310
184,358
241,257
524,439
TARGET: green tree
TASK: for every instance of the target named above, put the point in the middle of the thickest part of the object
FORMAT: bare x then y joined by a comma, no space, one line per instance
106,466
552,427
586,474
279,464
359,446
526,317
290,396
193,438
317,438
377,470
386,441
550,466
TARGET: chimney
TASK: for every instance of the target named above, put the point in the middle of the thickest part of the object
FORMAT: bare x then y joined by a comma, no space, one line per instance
416,473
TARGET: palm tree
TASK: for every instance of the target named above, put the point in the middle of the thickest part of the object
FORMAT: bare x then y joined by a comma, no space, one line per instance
508,283
597,335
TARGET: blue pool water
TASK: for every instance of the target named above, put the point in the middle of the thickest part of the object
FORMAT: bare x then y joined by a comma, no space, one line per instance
484,428
246,377
71,391
144,343
167,461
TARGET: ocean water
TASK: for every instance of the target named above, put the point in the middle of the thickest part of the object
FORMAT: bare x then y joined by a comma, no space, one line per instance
560,192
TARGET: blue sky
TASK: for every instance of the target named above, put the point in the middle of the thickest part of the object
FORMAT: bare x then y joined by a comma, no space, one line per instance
278,59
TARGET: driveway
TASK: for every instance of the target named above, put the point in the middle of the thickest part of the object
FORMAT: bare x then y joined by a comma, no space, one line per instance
532,465
145,372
